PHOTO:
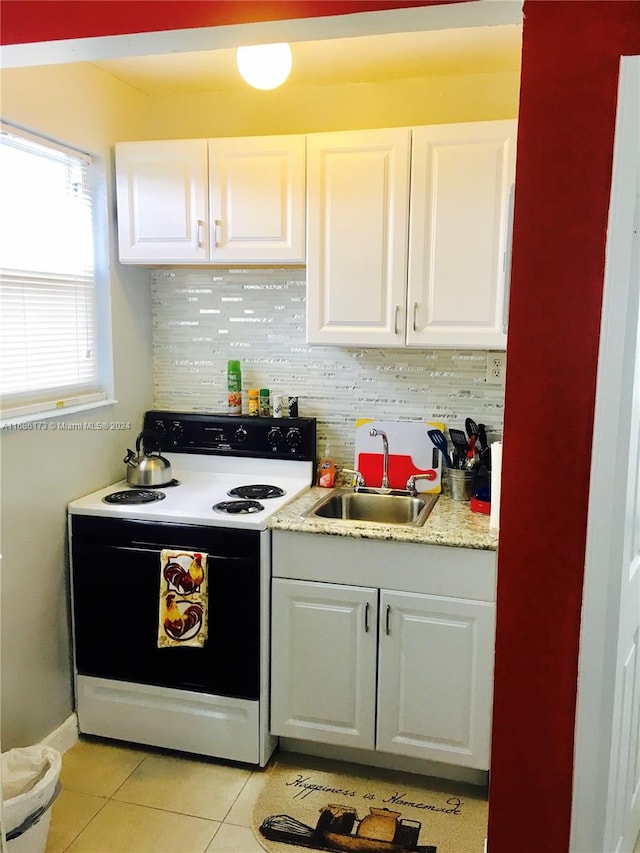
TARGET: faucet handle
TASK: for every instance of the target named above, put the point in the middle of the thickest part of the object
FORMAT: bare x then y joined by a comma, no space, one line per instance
411,485
358,480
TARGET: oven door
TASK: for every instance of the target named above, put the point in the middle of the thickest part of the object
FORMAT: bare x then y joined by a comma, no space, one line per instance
115,592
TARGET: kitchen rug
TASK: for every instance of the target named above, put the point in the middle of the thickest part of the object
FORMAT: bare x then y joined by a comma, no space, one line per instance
310,803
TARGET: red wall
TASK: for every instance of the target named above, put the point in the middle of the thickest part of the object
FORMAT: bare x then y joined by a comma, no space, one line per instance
571,53
26,21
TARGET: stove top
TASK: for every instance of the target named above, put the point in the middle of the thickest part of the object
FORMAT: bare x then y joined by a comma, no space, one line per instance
219,486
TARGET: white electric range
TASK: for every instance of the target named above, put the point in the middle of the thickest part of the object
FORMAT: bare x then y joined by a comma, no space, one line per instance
229,475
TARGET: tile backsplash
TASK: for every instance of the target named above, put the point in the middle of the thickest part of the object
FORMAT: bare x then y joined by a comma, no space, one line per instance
203,318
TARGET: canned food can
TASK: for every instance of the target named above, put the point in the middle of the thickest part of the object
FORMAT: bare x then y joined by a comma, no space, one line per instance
293,407
264,403
279,406
254,406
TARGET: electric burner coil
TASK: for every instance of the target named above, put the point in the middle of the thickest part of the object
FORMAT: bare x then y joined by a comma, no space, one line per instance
133,496
238,507
256,491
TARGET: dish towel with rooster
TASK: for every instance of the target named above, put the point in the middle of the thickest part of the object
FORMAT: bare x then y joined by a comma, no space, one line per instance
183,599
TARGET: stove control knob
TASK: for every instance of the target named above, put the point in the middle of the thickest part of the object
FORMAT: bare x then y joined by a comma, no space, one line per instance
160,427
274,436
176,432
294,438
241,435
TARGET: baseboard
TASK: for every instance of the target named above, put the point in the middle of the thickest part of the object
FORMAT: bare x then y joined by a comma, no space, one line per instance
65,736
387,761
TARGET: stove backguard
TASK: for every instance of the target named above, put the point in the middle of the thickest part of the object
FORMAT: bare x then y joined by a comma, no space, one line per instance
234,435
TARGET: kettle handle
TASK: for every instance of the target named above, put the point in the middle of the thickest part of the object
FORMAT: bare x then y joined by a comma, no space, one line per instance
148,435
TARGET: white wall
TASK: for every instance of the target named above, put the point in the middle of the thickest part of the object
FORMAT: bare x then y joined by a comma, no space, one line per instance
41,471
308,109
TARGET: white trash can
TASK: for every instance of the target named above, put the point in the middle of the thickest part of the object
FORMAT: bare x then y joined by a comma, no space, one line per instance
30,783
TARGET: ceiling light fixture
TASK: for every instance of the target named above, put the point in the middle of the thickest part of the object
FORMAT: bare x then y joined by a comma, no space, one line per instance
264,66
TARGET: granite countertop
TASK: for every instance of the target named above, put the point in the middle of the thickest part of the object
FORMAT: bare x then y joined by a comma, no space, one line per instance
450,523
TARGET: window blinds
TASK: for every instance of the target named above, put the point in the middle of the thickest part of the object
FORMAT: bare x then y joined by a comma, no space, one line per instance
48,357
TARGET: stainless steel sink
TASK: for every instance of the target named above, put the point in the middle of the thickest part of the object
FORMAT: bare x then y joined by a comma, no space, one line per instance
399,508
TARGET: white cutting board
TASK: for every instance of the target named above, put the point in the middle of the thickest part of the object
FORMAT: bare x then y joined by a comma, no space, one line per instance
411,452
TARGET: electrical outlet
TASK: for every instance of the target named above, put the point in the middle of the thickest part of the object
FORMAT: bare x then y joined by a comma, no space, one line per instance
496,367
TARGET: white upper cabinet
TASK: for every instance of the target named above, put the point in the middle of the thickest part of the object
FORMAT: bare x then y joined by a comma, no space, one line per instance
162,201
459,236
257,199
357,220
235,200
425,264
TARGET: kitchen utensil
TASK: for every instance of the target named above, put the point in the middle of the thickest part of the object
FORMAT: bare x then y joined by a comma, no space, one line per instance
485,450
470,461
471,427
459,439
439,439
146,467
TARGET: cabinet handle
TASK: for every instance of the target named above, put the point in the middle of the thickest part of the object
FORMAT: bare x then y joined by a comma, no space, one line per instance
387,620
217,233
366,618
415,316
200,233
395,320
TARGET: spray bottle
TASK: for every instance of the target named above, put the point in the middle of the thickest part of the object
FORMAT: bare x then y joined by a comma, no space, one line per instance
234,388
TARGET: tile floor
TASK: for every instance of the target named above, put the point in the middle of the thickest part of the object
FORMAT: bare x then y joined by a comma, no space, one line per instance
120,799
117,799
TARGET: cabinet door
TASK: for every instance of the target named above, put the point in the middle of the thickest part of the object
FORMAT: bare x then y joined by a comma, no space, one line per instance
358,202
257,200
435,678
162,201
459,244
323,662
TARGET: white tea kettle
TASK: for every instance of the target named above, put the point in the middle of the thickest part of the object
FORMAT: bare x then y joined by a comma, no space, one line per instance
146,467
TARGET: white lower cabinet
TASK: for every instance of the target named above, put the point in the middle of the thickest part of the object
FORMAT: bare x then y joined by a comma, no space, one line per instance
323,667
403,673
435,666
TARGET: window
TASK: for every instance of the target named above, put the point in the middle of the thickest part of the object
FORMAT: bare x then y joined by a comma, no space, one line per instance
48,339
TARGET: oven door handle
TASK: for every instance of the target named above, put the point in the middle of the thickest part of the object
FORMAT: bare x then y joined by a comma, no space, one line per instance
139,547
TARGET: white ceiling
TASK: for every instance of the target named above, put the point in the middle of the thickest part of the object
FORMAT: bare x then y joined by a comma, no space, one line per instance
371,58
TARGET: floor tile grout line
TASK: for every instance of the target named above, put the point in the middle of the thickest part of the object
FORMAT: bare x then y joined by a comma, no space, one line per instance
167,811
235,800
91,819
129,775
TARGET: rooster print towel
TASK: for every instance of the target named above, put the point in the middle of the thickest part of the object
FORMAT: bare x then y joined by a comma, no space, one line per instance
183,599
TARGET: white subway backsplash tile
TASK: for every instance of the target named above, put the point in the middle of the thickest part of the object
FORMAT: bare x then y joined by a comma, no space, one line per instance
203,318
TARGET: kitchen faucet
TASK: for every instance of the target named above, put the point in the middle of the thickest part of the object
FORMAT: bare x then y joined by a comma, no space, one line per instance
385,458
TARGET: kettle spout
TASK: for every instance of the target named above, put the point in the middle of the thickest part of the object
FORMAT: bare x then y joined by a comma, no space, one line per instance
131,459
